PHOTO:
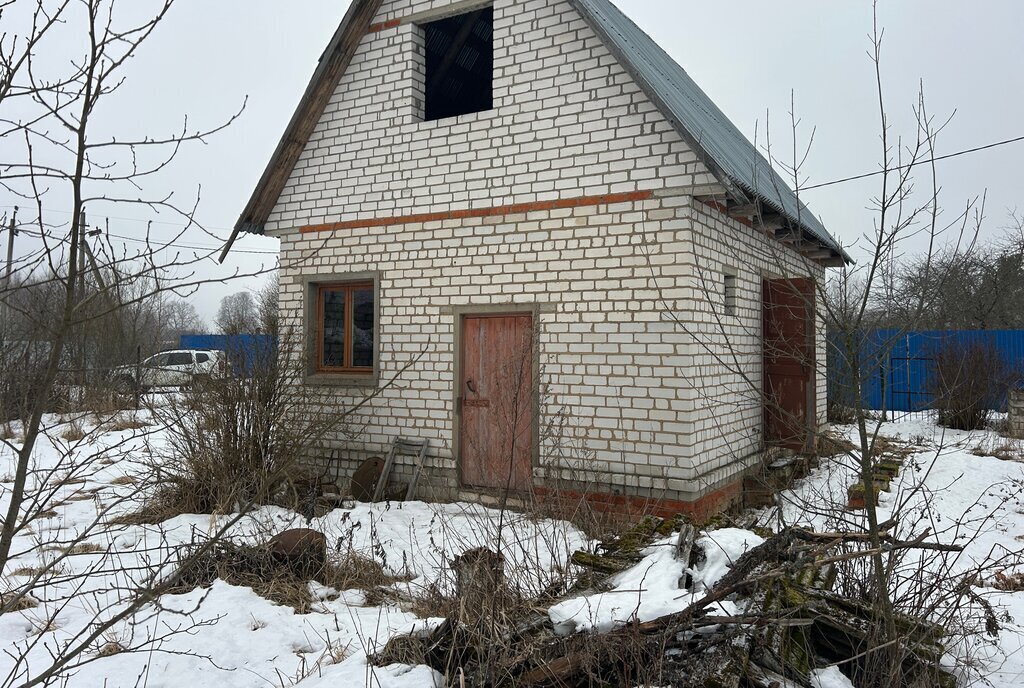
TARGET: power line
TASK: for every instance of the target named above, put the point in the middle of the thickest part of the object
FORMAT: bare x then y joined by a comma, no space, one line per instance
914,164
162,246
188,246
133,219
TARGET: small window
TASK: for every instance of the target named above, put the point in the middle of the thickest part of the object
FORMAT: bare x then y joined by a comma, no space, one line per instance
345,328
730,294
459,75
202,358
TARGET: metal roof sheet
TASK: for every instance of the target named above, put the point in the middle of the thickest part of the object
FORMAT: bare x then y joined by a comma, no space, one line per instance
724,148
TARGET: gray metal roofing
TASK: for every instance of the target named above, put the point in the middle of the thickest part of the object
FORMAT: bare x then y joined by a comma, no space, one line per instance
725,149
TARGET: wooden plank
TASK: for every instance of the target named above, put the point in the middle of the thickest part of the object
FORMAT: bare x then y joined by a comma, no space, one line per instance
385,475
421,455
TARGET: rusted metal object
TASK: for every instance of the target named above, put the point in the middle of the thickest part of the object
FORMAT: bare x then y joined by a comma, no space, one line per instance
302,549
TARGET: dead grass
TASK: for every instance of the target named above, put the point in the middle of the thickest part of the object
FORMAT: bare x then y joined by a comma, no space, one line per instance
7,432
41,626
28,571
888,448
85,548
256,568
124,424
125,480
110,649
1007,450
832,444
49,513
74,432
1009,582
22,603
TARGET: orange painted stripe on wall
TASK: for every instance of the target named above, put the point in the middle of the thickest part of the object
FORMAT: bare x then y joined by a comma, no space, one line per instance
496,211
390,24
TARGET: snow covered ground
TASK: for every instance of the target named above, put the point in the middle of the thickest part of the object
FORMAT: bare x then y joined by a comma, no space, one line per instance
229,636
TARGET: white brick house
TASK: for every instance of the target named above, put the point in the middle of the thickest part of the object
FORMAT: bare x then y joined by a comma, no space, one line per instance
535,199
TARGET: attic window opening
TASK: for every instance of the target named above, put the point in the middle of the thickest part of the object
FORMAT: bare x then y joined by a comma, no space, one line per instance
459,77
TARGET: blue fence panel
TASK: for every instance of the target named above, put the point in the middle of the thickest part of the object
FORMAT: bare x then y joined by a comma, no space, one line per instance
897,365
245,352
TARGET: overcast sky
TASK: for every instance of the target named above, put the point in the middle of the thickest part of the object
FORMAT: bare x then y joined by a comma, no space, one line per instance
749,56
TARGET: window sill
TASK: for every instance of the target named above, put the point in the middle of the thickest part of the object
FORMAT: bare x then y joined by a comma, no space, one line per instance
342,380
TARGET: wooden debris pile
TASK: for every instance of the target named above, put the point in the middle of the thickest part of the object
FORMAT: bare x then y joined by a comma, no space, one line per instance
791,624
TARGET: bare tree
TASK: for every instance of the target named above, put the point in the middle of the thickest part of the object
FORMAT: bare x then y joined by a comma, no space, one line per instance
238,314
67,294
899,587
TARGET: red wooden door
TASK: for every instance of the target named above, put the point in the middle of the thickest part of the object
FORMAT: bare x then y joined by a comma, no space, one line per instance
789,379
496,398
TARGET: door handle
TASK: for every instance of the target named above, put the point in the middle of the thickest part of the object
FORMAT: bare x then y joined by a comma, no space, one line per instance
471,386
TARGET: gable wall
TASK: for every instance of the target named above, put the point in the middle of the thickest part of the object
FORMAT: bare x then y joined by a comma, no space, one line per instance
568,122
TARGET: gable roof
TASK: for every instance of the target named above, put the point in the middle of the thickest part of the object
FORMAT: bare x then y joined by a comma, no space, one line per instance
735,161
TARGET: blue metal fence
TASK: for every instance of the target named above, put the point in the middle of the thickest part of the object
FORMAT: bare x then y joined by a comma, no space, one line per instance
897,366
245,352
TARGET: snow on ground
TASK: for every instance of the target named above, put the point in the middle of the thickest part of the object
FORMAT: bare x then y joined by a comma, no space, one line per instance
961,498
231,636
236,638
650,590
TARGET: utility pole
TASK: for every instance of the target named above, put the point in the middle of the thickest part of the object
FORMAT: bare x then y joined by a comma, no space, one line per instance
5,317
81,256
12,231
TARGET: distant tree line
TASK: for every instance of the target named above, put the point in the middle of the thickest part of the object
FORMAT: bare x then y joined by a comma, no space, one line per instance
113,332
975,287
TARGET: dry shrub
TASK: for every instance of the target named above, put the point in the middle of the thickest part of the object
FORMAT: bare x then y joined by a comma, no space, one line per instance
255,567
85,548
841,414
233,442
968,382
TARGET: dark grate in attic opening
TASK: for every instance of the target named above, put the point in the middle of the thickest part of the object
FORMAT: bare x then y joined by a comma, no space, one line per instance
460,64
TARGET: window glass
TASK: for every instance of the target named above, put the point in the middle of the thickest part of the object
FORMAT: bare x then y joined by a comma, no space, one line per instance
157,361
362,327
202,358
334,329
180,358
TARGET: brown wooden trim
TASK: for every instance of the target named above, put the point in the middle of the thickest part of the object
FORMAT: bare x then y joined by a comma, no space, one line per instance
349,318
496,211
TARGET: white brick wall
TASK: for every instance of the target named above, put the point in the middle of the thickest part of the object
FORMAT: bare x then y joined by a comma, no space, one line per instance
627,392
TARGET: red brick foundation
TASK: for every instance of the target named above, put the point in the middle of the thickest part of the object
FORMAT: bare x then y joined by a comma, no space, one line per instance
635,507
